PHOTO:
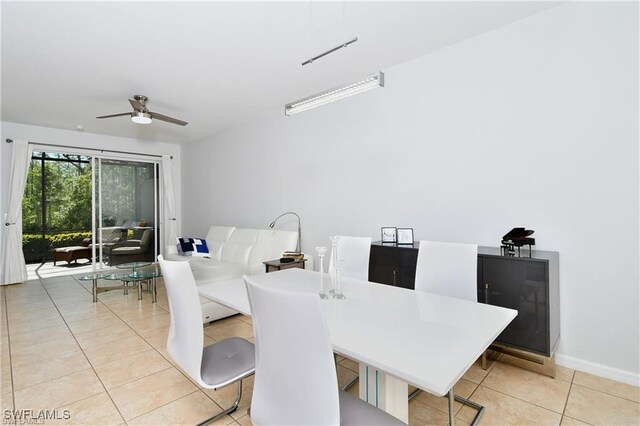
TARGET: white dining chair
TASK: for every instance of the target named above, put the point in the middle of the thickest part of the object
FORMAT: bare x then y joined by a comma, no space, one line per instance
296,381
211,367
448,269
354,253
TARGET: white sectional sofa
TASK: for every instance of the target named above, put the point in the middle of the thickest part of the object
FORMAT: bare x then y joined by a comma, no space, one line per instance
234,252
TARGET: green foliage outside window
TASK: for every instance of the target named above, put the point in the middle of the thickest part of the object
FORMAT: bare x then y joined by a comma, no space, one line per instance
67,192
127,196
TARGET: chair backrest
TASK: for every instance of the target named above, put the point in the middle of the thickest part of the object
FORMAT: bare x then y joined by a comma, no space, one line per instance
354,251
185,340
296,382
448,269
146,239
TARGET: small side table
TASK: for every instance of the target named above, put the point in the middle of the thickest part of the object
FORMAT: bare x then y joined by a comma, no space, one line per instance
276,265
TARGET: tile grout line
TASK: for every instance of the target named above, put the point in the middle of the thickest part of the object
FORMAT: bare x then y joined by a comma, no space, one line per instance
159,353
93,367
78,343
605,392
174,400
566,401
6,315
520,399
491,367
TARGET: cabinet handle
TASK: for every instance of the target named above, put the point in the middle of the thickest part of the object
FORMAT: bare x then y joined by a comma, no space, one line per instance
486,293
395,277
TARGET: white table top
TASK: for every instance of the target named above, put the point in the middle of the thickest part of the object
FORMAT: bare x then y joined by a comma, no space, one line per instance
425,339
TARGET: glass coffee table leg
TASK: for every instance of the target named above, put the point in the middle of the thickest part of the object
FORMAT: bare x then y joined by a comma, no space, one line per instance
154,295
139,289
95,290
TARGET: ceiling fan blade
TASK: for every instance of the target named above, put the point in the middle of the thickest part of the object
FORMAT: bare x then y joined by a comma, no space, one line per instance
157,116
137,105
122,114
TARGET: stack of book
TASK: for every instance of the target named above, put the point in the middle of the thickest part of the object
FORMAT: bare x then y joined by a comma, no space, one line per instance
292,255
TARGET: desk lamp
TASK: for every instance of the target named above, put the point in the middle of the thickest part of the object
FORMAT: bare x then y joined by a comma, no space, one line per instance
272,224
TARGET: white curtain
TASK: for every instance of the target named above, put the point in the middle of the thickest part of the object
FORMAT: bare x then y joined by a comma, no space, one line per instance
170,225
14,269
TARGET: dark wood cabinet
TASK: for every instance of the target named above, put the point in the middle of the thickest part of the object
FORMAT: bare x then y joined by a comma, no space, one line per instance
395,266
529,285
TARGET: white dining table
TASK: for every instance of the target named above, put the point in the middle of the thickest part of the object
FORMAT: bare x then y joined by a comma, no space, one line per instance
398,336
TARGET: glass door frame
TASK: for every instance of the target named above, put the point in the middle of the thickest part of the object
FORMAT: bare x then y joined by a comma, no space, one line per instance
96,188
94,154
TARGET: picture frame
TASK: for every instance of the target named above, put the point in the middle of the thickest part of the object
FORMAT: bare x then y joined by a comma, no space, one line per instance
405,235
389,234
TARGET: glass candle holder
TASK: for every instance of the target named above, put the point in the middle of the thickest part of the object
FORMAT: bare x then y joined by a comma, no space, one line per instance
337,288
321,251
335,240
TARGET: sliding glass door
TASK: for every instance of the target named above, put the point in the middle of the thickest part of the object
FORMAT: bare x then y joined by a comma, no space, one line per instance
126,211
92,211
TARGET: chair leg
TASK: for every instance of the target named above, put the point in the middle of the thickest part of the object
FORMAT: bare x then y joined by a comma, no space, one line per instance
471,404
461,400
226,411
350,384
414,393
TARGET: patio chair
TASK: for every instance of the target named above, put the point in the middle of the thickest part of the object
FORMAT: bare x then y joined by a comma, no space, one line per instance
131,250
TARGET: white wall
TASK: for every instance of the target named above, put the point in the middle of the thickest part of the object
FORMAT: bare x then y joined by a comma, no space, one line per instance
534,124
77,139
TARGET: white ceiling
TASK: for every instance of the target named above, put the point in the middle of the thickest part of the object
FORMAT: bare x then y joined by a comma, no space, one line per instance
213,64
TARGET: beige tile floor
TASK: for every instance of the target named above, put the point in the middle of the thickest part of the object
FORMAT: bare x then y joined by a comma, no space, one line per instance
106,363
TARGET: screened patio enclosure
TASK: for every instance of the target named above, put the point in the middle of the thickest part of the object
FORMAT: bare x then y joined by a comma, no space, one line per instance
73,200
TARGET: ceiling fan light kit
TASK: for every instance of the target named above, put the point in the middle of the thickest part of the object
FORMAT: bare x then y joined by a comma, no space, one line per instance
142,115
371,82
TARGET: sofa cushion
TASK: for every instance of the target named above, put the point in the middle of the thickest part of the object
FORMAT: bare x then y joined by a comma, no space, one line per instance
220,233
244,236
236,253
213,270
216,238
269,246
222,272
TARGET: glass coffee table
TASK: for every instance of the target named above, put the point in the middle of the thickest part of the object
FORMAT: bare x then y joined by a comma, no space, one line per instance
133,265
147,276
95,276
140,273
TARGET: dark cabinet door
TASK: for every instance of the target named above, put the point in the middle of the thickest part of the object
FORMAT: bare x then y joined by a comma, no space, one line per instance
408,260
383,265
520,285
392,265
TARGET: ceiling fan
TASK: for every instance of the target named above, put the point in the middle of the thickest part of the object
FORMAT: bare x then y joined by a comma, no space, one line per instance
141,115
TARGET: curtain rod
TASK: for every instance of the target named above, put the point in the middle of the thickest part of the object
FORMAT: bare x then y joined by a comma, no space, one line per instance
92,149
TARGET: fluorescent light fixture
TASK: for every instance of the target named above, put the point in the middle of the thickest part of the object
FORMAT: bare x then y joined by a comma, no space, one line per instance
140,117
372,82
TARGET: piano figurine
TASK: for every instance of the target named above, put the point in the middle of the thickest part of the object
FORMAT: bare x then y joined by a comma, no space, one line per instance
517,237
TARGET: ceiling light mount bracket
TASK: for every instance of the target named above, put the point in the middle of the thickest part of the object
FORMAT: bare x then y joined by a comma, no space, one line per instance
345,44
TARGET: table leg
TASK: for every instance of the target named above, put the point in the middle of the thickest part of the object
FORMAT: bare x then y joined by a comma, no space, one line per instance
139,289
95,290
452,412
384,391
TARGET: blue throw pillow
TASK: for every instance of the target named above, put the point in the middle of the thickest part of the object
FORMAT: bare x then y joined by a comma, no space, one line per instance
193,247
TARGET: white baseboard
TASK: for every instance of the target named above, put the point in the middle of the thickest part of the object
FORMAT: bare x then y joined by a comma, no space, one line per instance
598,369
